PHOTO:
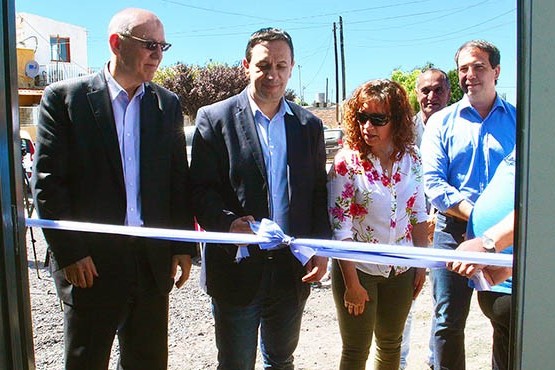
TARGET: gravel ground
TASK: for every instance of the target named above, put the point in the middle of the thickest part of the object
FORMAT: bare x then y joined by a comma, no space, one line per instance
191,336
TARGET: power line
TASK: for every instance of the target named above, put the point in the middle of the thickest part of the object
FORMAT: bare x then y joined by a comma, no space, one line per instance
446,34
179,3
434,41
291,20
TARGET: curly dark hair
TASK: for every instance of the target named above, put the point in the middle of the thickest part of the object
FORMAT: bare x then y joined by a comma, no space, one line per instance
394,99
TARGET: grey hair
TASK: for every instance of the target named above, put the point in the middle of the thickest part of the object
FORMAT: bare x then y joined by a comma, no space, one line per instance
127,19
433,69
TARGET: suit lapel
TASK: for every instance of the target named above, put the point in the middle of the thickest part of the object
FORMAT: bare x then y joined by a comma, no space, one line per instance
294,138
150,124
101,106
246,125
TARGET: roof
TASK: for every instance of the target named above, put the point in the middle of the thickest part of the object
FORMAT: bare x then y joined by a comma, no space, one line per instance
32,92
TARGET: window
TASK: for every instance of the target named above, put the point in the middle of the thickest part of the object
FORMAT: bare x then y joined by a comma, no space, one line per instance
59,49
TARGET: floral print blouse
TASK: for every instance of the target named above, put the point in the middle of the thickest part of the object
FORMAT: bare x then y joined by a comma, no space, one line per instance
369,205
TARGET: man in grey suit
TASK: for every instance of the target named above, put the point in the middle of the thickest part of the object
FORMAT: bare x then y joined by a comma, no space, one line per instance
256,155
111,149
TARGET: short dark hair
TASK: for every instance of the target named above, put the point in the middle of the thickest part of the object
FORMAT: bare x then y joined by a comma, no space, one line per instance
493,52
268,34
436,70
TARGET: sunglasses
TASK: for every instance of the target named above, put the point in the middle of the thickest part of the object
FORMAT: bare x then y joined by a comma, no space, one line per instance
376,119
148,44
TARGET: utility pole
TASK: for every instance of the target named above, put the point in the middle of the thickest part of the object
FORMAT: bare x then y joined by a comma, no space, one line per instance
342,56
300,85
326,98
336,74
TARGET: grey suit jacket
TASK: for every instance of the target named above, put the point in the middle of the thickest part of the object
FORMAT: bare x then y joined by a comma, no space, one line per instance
78,176
229,180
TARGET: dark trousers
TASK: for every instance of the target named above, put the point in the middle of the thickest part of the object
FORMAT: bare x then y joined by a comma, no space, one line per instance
384,316
497,308
140,321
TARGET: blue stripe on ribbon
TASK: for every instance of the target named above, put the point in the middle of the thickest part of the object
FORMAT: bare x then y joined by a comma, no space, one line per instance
270,236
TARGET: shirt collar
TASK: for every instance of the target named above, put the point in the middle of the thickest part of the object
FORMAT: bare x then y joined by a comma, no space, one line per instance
498,102
115,88
284,108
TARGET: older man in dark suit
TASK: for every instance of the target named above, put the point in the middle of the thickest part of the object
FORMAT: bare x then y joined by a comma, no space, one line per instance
257,155
111,149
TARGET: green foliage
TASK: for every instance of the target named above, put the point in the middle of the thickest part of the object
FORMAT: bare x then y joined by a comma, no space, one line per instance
290,95
198,86
456,91
408,81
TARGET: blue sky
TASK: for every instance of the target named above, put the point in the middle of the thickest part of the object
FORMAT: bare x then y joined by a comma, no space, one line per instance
379,35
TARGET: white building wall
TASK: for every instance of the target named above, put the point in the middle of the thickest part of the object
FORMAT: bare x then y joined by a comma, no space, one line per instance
29,25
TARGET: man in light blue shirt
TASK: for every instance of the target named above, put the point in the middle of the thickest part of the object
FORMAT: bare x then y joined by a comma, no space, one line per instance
462,146
271,135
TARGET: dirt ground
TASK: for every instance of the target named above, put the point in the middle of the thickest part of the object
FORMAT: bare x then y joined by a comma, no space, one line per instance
191,336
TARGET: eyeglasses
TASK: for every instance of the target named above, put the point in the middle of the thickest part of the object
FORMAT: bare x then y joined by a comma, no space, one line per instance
148,44
376,119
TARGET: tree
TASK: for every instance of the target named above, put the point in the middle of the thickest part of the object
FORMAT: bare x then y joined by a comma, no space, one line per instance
456,91
290,94
408,81
198,86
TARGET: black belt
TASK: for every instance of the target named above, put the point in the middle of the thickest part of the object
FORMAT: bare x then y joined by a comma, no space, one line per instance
452,219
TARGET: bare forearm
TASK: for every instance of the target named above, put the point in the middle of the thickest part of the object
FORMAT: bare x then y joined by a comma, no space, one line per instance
502,233
349,272
461,210
420,234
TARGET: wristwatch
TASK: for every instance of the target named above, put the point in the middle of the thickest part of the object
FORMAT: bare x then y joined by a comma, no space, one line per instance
488,244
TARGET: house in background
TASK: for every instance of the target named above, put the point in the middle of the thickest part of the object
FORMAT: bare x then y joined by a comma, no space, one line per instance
47,51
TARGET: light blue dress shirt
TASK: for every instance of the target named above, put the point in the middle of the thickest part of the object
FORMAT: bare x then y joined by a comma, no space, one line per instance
127,114
461,151
273,140
496,202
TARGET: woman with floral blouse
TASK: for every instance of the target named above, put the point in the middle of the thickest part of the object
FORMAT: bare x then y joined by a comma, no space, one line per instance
376,196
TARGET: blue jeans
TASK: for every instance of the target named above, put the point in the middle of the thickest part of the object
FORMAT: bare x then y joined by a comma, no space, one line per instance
452,297
277,311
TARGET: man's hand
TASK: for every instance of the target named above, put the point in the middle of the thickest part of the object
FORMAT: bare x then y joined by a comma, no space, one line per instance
241,225
419,279
496,274
184,262
467,269
316,268
81,273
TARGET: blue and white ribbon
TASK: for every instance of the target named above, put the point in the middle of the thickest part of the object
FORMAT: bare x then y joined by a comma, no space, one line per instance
268,235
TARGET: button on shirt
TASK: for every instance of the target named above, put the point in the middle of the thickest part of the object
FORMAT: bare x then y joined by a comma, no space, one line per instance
273,140
127,118
461,151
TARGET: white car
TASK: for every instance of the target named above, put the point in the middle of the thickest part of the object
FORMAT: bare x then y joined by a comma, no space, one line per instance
27,152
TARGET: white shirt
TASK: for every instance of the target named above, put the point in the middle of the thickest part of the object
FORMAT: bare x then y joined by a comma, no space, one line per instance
127,114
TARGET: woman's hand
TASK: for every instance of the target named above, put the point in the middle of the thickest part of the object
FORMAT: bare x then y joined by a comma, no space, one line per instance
355,299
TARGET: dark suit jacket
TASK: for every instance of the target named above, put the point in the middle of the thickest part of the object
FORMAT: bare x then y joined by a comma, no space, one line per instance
229,180
78,176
